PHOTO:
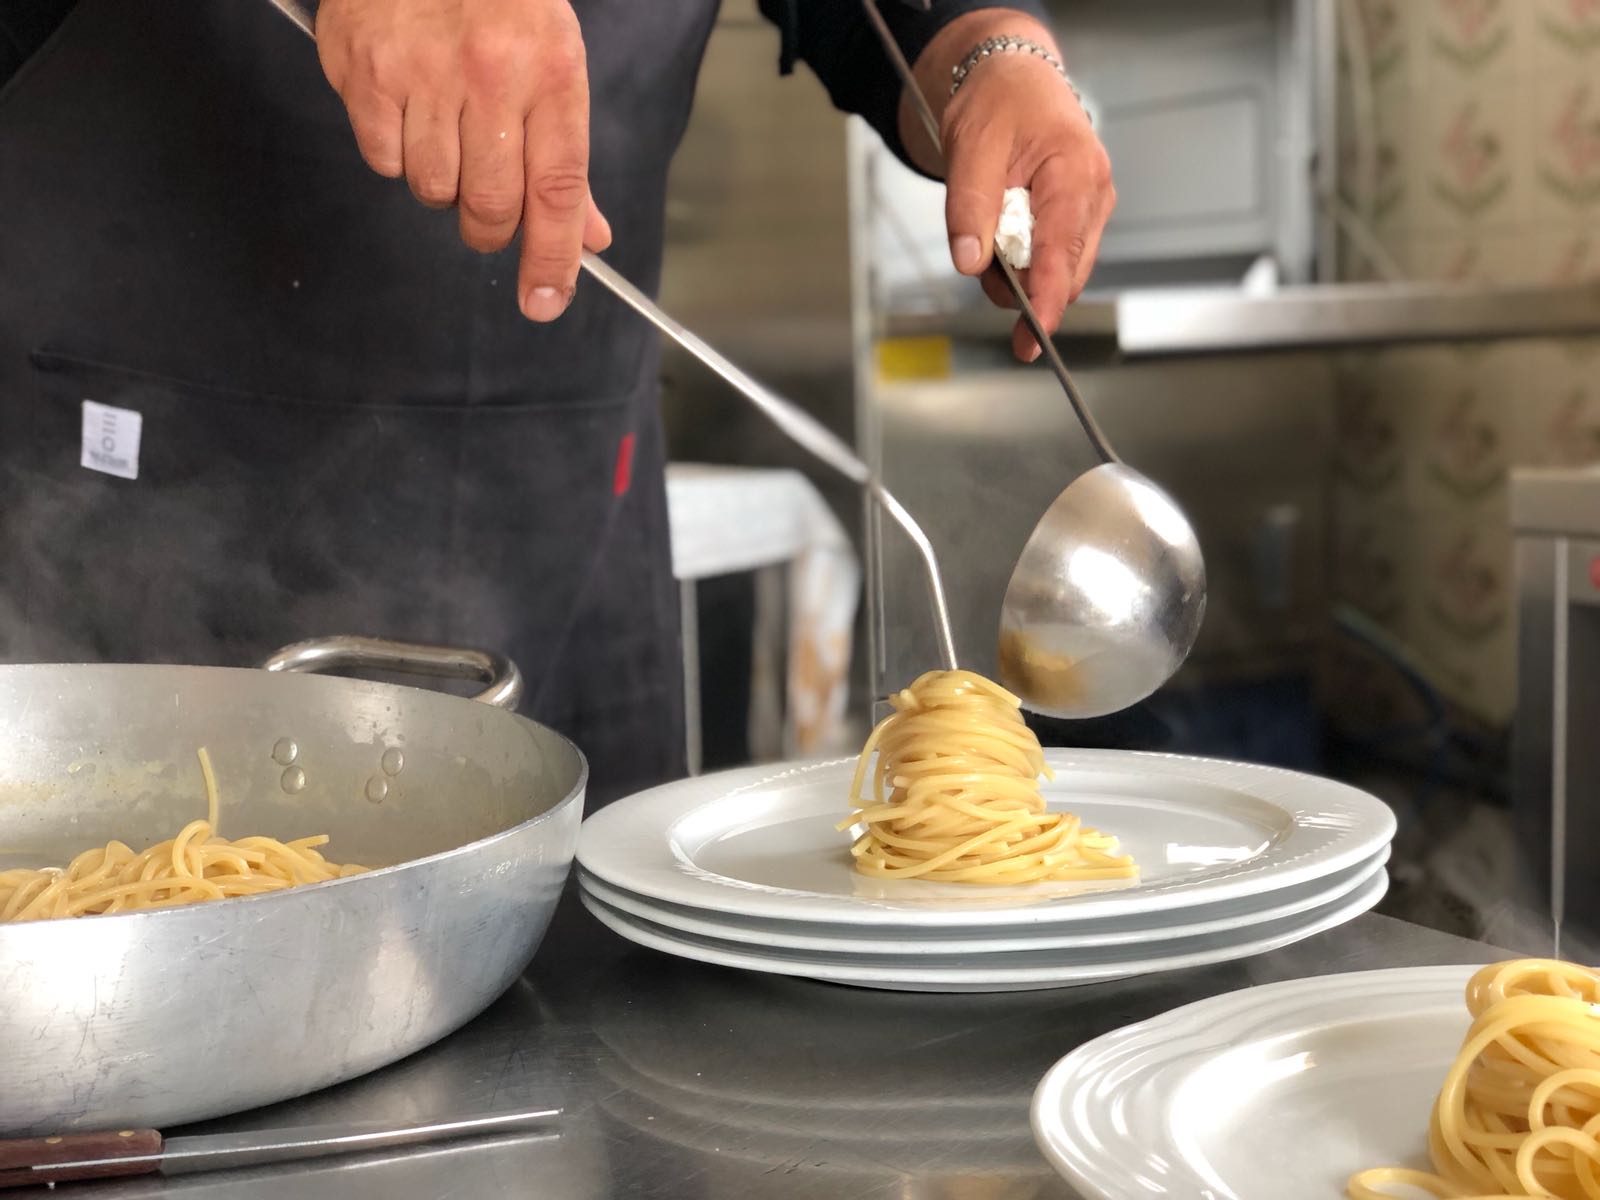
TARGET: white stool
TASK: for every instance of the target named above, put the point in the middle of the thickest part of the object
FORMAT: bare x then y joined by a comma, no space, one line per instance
772,522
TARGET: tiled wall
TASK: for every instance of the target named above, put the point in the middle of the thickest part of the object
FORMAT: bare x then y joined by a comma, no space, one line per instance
1487,118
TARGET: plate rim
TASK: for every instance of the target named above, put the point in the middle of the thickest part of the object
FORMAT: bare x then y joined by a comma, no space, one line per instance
617,831
875,939
1066,974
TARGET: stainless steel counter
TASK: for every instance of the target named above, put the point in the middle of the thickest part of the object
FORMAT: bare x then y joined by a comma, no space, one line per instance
685,1081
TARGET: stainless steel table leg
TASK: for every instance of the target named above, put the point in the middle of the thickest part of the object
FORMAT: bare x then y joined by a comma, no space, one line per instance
768,653
690,615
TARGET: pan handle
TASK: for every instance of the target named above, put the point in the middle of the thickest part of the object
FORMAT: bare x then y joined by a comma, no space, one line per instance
415,658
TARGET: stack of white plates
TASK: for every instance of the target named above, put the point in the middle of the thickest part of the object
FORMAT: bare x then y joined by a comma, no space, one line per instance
745,869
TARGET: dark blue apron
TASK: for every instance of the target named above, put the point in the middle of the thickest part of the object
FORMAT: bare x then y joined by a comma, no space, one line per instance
346,425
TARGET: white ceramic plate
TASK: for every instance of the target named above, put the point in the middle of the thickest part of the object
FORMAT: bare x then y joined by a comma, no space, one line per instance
1084,936
1284,1090
993,972
761,842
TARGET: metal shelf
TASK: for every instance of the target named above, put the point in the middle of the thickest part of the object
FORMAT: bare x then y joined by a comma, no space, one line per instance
1225,320
1556,501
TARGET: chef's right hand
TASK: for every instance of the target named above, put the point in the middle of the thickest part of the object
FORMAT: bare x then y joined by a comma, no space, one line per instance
482,104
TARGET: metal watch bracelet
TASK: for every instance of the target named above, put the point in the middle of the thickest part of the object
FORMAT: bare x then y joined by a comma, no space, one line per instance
1006,45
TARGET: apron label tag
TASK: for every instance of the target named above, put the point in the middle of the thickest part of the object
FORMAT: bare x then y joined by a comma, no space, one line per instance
111,439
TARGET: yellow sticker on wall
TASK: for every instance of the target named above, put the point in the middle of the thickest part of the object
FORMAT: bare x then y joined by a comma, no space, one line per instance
906,359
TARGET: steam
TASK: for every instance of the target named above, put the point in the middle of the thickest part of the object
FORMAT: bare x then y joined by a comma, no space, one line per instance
1466,873
165,575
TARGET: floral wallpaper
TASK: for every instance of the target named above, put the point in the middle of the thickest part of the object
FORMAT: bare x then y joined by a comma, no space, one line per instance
1482,162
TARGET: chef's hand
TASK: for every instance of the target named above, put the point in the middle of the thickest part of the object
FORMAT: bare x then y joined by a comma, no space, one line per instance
1013,123
481,104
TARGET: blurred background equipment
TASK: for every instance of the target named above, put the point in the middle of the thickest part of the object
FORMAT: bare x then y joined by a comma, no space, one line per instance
1352,283
771,524
1556,517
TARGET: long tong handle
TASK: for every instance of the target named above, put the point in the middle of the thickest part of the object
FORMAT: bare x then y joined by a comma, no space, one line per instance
298,12
1047,344
794,421
801,426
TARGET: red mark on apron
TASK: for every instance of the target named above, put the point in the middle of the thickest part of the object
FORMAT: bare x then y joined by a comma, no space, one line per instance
622,476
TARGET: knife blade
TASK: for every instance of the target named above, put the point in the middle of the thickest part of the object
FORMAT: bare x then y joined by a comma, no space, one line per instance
32,1161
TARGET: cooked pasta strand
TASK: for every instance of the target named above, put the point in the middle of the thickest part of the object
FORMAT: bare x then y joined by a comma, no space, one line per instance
196,865
955,794
1519,1112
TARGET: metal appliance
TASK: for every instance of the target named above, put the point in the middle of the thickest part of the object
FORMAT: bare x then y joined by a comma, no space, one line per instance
1555,516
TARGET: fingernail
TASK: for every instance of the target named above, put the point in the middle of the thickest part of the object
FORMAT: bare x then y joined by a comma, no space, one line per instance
1034,352
544,304
967,252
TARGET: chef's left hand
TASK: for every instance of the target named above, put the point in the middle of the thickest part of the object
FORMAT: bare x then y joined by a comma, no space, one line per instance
1014,123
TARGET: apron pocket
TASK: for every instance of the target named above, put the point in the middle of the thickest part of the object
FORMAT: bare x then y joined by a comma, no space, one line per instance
256,520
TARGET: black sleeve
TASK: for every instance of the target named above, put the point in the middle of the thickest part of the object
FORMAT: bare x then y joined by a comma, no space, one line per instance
25,25
835,39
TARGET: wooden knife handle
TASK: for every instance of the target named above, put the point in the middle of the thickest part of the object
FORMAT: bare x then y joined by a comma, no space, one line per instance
20,1156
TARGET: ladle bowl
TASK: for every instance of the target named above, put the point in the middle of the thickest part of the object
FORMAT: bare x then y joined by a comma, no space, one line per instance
1106,599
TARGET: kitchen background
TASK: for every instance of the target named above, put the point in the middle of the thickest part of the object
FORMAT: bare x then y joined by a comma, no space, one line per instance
1486,150
1350,475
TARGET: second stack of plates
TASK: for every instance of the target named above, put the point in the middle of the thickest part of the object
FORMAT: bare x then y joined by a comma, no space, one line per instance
746,869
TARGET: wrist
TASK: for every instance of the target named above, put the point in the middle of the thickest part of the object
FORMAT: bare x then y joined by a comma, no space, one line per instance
947,49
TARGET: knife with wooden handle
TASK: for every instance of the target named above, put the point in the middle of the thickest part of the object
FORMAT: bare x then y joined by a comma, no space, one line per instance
28,1162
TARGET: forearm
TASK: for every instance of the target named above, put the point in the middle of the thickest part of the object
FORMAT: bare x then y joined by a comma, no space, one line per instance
948,47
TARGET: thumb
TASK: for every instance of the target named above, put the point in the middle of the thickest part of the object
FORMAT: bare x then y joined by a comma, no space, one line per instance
596,229
975,184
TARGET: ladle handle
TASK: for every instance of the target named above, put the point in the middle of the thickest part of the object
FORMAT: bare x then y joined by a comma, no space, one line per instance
1047,344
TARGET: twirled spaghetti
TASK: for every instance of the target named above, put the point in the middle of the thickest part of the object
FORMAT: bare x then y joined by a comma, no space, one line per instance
962,803
196,865
1519,1112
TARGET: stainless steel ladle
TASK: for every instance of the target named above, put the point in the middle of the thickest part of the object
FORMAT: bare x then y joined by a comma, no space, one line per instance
1107,597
